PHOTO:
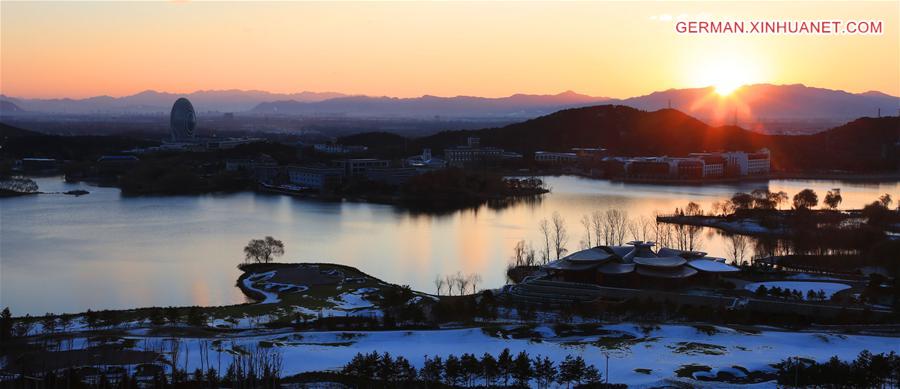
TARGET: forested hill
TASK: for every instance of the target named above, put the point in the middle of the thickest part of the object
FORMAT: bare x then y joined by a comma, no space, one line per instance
868,142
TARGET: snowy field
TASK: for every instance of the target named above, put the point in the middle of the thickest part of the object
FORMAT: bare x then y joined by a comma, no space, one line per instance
830,288
661,349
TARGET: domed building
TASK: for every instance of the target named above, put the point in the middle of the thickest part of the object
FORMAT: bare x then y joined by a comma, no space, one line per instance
182,121
637,265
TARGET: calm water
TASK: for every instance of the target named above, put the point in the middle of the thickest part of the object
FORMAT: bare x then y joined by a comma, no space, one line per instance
66,254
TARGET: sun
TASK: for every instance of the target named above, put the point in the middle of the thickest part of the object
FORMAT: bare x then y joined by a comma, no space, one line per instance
725,87
725,74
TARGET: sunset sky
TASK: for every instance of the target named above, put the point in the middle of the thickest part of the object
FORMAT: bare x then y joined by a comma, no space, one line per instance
80,49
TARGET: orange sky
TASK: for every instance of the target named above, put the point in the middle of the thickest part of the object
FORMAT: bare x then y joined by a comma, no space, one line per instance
79,49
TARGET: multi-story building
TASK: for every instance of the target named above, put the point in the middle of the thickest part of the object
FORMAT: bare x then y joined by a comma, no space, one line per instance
554,157
740,163
689,168
426,161
713,166
649,167
248,164
315,177
333,148
358,166
472,152
590,154
759,163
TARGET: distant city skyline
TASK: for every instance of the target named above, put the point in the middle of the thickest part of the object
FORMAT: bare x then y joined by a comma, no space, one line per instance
78,50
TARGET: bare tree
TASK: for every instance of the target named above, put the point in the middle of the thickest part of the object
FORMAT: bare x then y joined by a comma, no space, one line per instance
599,228
662,233
462,282
519,253
531,256
586,223
560,234
475,279
438,283
450,281
544,227
616,226
737,247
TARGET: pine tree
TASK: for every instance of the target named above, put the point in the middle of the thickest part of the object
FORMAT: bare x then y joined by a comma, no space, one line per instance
522,371
489,369
406,373
432,369
470,368
567,371
6,325
452,370
544,371
505,362
592,376
387,370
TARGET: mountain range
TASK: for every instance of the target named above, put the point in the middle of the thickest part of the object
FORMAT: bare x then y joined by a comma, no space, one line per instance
232,100
752,106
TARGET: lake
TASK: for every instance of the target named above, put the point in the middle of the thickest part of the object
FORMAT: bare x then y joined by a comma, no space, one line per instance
62,253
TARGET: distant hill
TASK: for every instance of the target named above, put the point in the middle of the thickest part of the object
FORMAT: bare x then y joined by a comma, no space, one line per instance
20,143
632,132
7,131
9,108
161,102
516,106
769,104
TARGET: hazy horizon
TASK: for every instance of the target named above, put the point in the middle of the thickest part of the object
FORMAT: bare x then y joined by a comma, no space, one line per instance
343,94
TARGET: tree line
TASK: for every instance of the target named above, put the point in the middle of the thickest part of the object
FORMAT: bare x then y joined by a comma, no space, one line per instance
469,370
459,282
866,371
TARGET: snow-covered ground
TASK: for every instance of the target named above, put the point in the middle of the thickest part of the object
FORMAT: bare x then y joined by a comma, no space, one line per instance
812,277
663,349
352,300
830,288
271,297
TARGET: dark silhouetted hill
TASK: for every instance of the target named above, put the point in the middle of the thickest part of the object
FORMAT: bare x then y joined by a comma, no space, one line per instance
769,103
863,143
20,143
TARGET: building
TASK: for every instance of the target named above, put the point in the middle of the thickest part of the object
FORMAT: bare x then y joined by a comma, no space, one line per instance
334,148
759,163
319,178
590,154
713,166
39,165
650,167
182,121
246,164
267,175
554,157
636,265
740,163
359,166
472,152
426,161
689,168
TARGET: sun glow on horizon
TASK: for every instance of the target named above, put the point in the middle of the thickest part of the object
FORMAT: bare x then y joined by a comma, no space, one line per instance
727,73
